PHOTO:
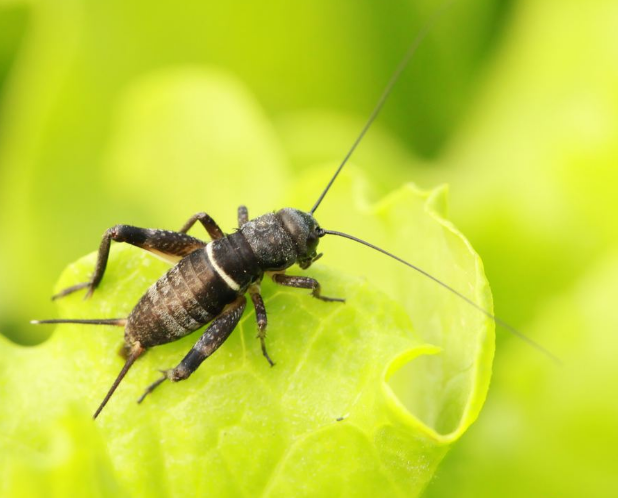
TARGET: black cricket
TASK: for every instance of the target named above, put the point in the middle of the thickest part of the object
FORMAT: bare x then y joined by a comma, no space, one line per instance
209,280
208,284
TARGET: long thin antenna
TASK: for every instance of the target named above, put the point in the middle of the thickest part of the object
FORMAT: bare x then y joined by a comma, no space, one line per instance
497,320
387,91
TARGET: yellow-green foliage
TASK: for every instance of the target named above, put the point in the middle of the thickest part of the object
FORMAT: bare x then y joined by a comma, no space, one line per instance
145,112
238,427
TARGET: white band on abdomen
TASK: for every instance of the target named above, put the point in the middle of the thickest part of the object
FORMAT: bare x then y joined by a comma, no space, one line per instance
228,280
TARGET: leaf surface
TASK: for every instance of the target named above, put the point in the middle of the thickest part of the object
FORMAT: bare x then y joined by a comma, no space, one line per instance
323,422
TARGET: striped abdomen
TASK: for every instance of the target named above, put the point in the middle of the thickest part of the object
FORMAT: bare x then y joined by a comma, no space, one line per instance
193,292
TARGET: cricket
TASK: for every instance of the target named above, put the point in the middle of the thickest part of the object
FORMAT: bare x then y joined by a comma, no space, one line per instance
209,281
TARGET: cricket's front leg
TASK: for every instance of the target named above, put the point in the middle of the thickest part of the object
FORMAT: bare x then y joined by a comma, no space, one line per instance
304,283
215,335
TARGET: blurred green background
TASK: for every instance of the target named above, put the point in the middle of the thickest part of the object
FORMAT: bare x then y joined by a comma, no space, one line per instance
513,103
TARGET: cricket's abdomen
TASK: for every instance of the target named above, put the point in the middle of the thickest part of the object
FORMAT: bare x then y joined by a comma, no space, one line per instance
192,293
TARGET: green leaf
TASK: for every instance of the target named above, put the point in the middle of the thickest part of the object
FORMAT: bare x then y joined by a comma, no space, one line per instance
537,166
547,420
411,223
238,427
80,62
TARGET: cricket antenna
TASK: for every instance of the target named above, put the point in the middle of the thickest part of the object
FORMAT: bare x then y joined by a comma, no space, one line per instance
497,320
136,351
387,91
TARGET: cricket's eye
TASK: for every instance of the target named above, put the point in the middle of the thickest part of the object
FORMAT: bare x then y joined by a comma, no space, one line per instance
312,241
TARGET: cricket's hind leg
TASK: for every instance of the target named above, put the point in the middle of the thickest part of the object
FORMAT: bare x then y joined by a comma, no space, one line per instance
215,335
170,246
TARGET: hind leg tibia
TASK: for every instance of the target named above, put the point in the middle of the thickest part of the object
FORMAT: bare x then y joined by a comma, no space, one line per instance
215,335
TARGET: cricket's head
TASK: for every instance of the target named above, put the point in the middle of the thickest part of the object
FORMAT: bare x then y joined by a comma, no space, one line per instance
304,231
